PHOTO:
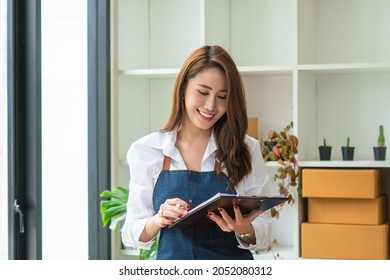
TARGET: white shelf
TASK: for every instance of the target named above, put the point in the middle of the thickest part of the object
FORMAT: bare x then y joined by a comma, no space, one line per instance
345,68
337,105
151,73
272,70
272,164
343,31
323,64
265,70
345,164
277,253
172,72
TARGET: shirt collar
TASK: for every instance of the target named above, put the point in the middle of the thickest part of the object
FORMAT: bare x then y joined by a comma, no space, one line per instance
168,144
211,146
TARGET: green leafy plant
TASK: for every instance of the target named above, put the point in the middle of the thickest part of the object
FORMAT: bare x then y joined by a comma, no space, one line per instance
381,137
347,142
283,151
113,210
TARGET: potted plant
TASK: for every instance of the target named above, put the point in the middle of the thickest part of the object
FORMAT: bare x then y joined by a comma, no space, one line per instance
283,151
347,151
268,146
380,150
325,151
114,211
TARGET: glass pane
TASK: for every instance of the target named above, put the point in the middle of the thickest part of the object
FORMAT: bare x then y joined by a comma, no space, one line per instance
3,132
64,130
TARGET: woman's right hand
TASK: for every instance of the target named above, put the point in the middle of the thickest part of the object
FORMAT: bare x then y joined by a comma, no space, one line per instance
171,210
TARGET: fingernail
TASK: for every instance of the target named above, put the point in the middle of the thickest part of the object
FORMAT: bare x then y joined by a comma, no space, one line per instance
235,206
188,206
220,209
209,214
172,222
179,216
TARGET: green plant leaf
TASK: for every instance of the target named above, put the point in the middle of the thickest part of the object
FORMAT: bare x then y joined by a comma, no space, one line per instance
111,194
114,210
121,189
272,156
116,205
117,192
282,176
106,204
117,219
111,212
286,176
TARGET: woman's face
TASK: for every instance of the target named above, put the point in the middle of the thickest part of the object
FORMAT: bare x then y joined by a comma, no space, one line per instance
205,98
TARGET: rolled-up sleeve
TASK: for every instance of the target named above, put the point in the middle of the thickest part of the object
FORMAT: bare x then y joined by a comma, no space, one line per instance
256,183
139,205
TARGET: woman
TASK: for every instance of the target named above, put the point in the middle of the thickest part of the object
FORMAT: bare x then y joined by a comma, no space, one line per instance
202,150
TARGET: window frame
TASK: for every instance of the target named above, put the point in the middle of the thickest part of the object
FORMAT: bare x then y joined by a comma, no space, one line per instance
24,126
99,129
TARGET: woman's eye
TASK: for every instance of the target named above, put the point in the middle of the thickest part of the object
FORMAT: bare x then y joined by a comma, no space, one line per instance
222,97
202,92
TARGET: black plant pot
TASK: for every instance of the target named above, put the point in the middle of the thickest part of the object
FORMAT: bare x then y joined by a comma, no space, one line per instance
270,144
380,153
347,152
325,152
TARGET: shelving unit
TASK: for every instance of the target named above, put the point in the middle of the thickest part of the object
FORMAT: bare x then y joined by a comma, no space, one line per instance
323,64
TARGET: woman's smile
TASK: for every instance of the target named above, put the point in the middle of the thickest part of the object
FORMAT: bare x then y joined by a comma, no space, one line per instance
205,98
205,116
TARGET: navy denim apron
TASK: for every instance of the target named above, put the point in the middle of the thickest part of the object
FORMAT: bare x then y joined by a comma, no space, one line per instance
194,243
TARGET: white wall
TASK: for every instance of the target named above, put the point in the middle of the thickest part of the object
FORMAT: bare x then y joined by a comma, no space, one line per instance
64,130
3,134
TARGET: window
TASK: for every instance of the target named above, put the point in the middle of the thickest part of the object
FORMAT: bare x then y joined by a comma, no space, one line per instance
54,89
64,130
3,132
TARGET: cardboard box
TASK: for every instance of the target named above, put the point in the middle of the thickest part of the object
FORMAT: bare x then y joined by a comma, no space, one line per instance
338,241
341,183
348,210
253,127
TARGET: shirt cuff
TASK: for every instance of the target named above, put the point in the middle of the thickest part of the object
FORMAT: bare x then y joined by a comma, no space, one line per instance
263,240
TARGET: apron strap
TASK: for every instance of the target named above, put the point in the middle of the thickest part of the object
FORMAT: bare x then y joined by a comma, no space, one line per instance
167,163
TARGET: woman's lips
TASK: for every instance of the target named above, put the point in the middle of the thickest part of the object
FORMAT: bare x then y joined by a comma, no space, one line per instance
205,116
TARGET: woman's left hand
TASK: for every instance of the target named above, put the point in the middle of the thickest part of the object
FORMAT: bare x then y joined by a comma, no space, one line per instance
239,224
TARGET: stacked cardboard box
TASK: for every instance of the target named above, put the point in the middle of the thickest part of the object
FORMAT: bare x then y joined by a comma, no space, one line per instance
253,127
346,214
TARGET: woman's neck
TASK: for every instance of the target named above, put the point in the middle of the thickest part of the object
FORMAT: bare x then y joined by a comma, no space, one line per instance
193,133
192,144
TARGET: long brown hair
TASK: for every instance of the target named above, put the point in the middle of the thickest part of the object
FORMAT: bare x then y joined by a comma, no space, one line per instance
232,152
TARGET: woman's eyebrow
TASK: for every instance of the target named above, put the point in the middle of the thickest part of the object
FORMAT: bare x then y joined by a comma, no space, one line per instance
210,88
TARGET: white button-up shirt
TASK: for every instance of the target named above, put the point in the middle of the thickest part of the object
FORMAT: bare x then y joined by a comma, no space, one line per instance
145,159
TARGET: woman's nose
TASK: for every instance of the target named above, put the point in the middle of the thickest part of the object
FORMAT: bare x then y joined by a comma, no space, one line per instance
210,103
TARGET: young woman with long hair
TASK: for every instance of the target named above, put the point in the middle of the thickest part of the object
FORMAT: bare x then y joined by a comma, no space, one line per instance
203,149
